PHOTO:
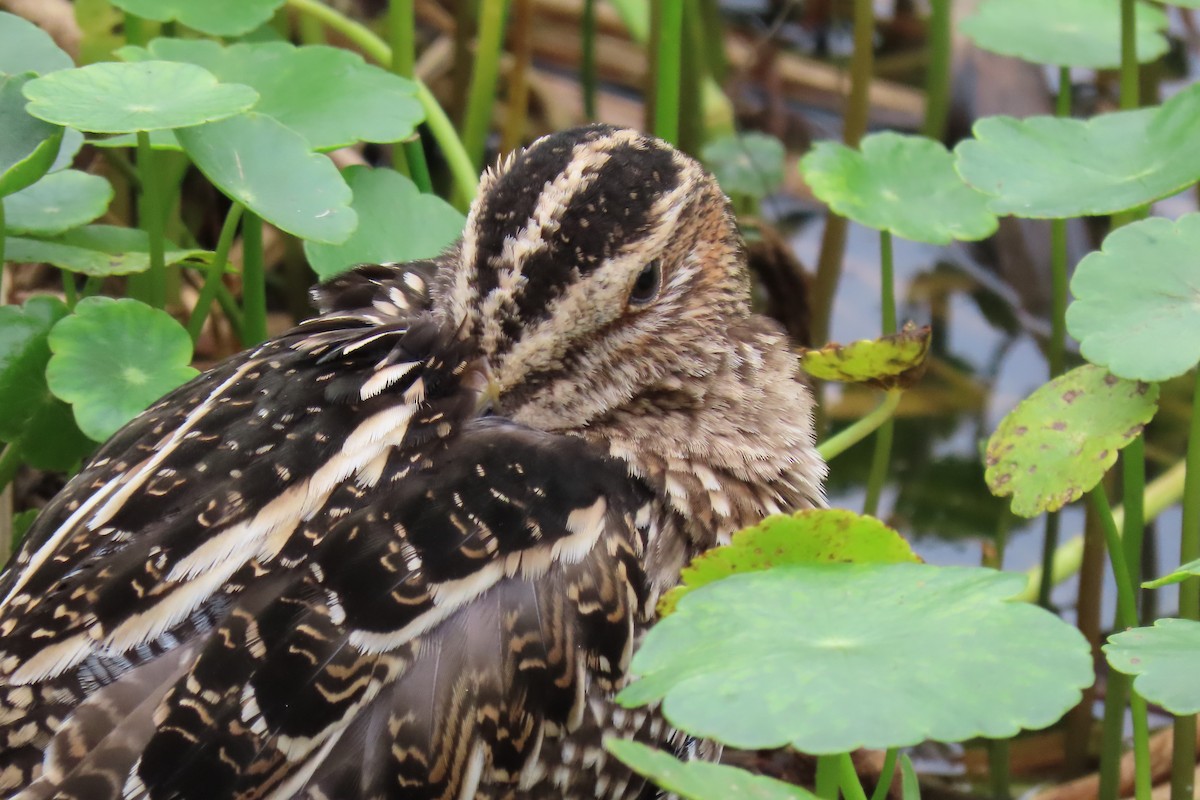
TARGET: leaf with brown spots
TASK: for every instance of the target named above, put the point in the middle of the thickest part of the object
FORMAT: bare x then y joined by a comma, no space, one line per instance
1058,442
890,362
815,536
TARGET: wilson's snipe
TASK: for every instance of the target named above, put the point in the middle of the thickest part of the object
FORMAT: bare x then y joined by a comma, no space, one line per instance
406,549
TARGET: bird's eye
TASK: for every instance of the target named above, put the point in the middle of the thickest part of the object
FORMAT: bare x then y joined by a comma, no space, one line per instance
645,288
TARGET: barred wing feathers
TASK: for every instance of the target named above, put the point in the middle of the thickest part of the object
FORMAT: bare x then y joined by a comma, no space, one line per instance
293,577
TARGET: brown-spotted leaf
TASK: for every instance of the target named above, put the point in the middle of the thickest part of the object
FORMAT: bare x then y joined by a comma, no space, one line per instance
1058,442
890,362
815,536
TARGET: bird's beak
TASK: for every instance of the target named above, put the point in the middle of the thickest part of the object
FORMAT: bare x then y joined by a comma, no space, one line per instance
480,379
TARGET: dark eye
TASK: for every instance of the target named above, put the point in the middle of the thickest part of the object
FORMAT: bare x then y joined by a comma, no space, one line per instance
645,288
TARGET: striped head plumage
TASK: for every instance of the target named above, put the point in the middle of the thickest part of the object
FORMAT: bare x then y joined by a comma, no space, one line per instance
406,549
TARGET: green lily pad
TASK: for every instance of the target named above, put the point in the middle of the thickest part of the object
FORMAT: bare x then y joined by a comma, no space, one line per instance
113,358
29,145
214,17
97,250
700,780
396,222
147,96
58,202
72,142
891,361
24,47
746,163
1188,570
819,536
34,421
1058,442
1068,33
830,658
328,95
271,170
1165,659
1137,300
1049,167
902,184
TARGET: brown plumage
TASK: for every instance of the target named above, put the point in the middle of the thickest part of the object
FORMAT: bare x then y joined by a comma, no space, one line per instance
406,549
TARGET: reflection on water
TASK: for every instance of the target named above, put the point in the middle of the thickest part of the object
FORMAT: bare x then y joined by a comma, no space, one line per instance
985,359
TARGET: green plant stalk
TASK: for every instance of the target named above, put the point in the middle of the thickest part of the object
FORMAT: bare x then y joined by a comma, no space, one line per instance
883,440
10,460
1116,697
848,778
833,238
861,428
229,308
826,781
3,237
216,270
1126,619
481,93
254,281
92,286
937,72
998,751
402,31
587,62
464,174
669,63
69,291
152,218
1184,756
1129,62
1133,523
886,774
1161,493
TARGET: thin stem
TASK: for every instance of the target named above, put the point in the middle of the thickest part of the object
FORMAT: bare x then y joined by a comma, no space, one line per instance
3,237
833,238
482,91
835,445
883,441
1143,783
826,782
229,307
937,73
216,271
10,460
517,119
1133,525
999,769
1129,61
254,281
70,292
886,774
887,284
92,286
1112,735
1049,548
1183,760
669,62
402,29
587,64
1126,607
152,218
1161,493
464,174
848,778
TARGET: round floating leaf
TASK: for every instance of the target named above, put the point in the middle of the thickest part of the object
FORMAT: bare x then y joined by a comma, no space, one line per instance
215,17
328,95
1058,442
271,170
96,250
820,536
29,145
147,96
1137,300
1165,659
1188,570
58,202
888,362
113,358
1074,33
24,47
1048,167
835,657
395,223
72,141
903,184
34,421
700,780
747,163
